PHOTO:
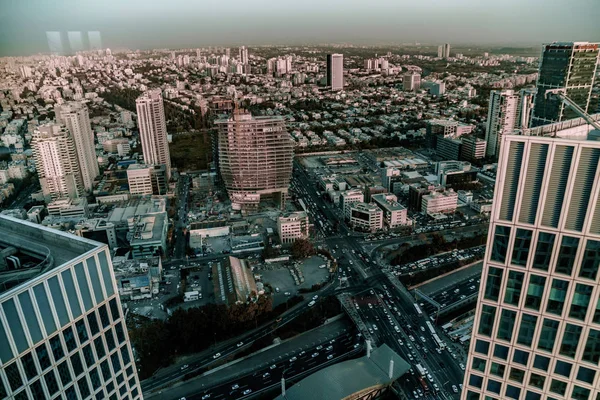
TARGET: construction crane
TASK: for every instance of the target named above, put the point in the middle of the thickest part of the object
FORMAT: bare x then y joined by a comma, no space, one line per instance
561,95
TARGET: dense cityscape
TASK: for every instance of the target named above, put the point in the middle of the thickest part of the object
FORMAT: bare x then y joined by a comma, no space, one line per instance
317,221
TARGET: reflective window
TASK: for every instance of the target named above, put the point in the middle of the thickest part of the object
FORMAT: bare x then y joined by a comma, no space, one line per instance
51,382
537,380
71,393
125,355
95,378
114,309
521,357
29,366
81,331
84,388
486,324
570,340
120,332
558,387
105,270
104,315
93,323
543,251
6,353
586,375
513,287
43,304
521,247
516,374
548,334
88,355
105,370
500,245
69,285
566,255
478,364
482,347
100,351
82,284
494,386
581,301
95,279
30,317
563,368
532,396
64,373
501,351
535,292
42,355
116,363
14,322
13,375
541,362
76,363
472,395
592,347
36,390
507,323
110,341
526,329
513,392
475,381
57,349
58,301
493,283
558,293
497,369
591,260
69,338
580,393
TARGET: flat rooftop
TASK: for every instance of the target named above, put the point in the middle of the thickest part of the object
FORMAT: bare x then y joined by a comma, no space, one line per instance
38,248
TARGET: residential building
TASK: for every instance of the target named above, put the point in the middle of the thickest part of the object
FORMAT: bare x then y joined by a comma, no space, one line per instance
501,120
335,71
525,108
349,197
153,129
63,328
255,158
394,213
75,117
139,179
411,81
416,191
565,65
56,162
455,172
446,50
439,202
118,146
473,148
244,55
293,226
448,149
366,217
537,317
449,129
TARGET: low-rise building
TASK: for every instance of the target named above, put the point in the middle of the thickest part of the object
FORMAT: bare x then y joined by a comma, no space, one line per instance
394,213
148,235
67,207
473,148
98,229
349,197
293,226
139,179
439,202
366,217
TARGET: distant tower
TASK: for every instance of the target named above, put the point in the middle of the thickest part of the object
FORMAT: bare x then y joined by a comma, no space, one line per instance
56,162
335,71
76,118
411,81
447,50
568,65
440,51
153,129
502,117
244,55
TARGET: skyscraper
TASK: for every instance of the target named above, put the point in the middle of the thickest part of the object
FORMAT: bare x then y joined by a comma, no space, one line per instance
567,65
446,50
440,52
244,55
255,158
153,129
501,120
411,81
62,329
335,71
76,118
536,333
525,108
56,162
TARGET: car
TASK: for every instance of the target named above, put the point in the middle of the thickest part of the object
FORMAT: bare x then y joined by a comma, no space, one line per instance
247,391
329,348
319,347
356,345
217,356
454,389
332,341
462,366
312,303
185,367
329,357
266,375
436,387
235,386
293,359
273,366
206,396
287,293
302,353
314,355
315,297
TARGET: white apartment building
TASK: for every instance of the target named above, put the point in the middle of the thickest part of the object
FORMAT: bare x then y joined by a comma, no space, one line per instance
366,216
439,202
536,333
56,162
153,129
139,179
293,226
394,213
411,81
335,71
501,120
75,117
348,198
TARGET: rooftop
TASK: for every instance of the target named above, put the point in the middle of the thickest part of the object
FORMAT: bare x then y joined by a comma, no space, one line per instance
39,249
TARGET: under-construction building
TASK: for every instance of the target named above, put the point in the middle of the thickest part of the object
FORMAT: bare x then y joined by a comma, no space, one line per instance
255,158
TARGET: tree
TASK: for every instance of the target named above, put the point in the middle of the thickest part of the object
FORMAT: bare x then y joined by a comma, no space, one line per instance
302,248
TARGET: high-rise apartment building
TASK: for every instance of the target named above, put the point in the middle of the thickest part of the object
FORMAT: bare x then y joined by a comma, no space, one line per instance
565,65
501,120
62,328
255,158
440,52
244,55
525,108
75,117
153,129
411,81
335,71
536,333
56,162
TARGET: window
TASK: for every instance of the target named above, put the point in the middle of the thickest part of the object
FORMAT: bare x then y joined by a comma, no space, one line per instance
114,309
116,363
105,370
527,329
486,324
30,317
497,369
513,392
36,390
120,332
507,323
566,255
472,395
521,247
558,387
521,357
516,374
71,292
570,340
29,366
82,284
105,271
596,317
104,316
84,388
14,376
92,270
95,377
532,396
51,382
76,364
58,301
64,373
14,324
537,380
558,293
69,337
71,393
543,251
42,355
42,299
541,362
581,301
482,347
110,340
57,349
493,283
591,260
591,352
6,353
100,351
500,245
548,334
513,287
81,331
586,375
125,355
535,292
88,355
475,381
93,322
501,351
580,393
494,386
563,368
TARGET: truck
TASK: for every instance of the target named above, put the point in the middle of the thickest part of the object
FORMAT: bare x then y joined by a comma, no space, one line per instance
191,296
422,371
418,309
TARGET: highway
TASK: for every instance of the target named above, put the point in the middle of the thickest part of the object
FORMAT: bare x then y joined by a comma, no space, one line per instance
452,294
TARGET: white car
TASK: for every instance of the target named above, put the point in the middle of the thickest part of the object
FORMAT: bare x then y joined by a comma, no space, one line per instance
273,366
247,391
329,357
315,297
266,375
312,303
185,367
206,396
235,386
315,355
329,348
217,356
454,389
240,344
293,359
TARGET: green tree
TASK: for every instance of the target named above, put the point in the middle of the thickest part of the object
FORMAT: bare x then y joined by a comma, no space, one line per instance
302,248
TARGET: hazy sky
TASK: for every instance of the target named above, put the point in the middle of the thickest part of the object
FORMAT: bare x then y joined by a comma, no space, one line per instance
180,23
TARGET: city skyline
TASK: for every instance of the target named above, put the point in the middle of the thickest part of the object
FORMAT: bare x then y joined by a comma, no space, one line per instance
175,24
